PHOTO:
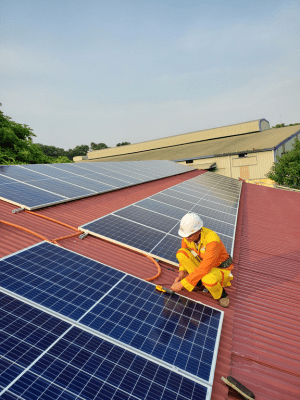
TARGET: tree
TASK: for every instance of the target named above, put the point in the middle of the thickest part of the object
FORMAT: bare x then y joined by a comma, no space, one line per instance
77,151
123,144
286,170
16,145
99,146
52,151
283,125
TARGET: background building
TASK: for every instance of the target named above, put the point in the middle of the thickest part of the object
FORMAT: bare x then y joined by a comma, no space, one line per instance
245,150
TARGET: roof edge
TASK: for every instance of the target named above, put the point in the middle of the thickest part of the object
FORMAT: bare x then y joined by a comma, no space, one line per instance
226,154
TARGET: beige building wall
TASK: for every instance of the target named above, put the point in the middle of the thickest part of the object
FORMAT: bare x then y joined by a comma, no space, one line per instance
253,166
224,131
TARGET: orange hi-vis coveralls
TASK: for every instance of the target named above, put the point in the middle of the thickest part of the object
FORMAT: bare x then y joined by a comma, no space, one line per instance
203,266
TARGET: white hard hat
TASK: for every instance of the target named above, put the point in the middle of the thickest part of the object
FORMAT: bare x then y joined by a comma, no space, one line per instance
190,224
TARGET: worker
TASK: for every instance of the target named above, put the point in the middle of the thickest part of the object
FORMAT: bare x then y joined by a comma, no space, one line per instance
202,258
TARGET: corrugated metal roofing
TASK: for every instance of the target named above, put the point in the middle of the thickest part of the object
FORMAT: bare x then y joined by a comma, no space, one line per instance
228,145
222,131
260,336
266,332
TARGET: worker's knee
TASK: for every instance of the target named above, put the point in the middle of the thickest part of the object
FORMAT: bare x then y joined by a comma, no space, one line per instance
210,280
183,255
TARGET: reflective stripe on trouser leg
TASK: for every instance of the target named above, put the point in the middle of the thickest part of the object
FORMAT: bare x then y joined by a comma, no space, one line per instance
215,280
187,261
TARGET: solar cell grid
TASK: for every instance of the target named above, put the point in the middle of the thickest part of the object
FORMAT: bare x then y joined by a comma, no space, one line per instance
36,186
217,209
61,188
69,284
168,246
217,206
218,200
127,232
25,333
161,208
125,171
83,365
22,193
72,362
148,218
182,196
213,213
178,331
77,363
173,201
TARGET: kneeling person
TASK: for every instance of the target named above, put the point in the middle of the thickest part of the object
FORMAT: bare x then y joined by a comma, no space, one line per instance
202,257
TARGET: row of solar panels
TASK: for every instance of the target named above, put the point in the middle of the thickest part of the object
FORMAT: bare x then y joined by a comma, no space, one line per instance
41,185
72,328
151,225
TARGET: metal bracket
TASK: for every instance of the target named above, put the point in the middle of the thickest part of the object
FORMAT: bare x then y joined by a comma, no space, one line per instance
83,235
17,210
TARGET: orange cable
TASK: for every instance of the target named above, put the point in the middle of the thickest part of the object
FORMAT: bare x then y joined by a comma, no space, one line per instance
69,236
158,269
52,219
25,229
66,237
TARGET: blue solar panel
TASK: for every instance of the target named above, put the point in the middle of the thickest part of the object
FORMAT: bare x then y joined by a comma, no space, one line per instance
61,188
75,364
63,182
56,278
21,193
25,333
161,213
148,218
178,331
128,232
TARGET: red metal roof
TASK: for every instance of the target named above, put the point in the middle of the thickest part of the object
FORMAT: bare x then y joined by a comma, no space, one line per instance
260,336
266,330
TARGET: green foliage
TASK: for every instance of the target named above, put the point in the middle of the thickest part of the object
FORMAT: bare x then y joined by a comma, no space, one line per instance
286,170
98,146
16,146
52,151
282,125
61,154
60,159
123,144
78,151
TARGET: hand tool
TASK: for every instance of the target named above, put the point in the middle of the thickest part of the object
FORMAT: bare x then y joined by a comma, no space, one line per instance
165,290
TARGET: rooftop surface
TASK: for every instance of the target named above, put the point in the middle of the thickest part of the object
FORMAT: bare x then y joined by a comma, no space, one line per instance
248,142
259,343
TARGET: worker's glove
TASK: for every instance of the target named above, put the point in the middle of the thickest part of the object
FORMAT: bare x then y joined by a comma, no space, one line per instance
177,286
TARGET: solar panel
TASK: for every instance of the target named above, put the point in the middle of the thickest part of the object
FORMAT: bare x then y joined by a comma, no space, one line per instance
151,225
178,331
45,358
58,279
172,331
41,185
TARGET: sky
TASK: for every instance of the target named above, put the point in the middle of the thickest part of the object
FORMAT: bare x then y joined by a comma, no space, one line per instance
108,71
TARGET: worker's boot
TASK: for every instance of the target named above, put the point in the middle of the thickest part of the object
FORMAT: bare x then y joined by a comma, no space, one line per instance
224,299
